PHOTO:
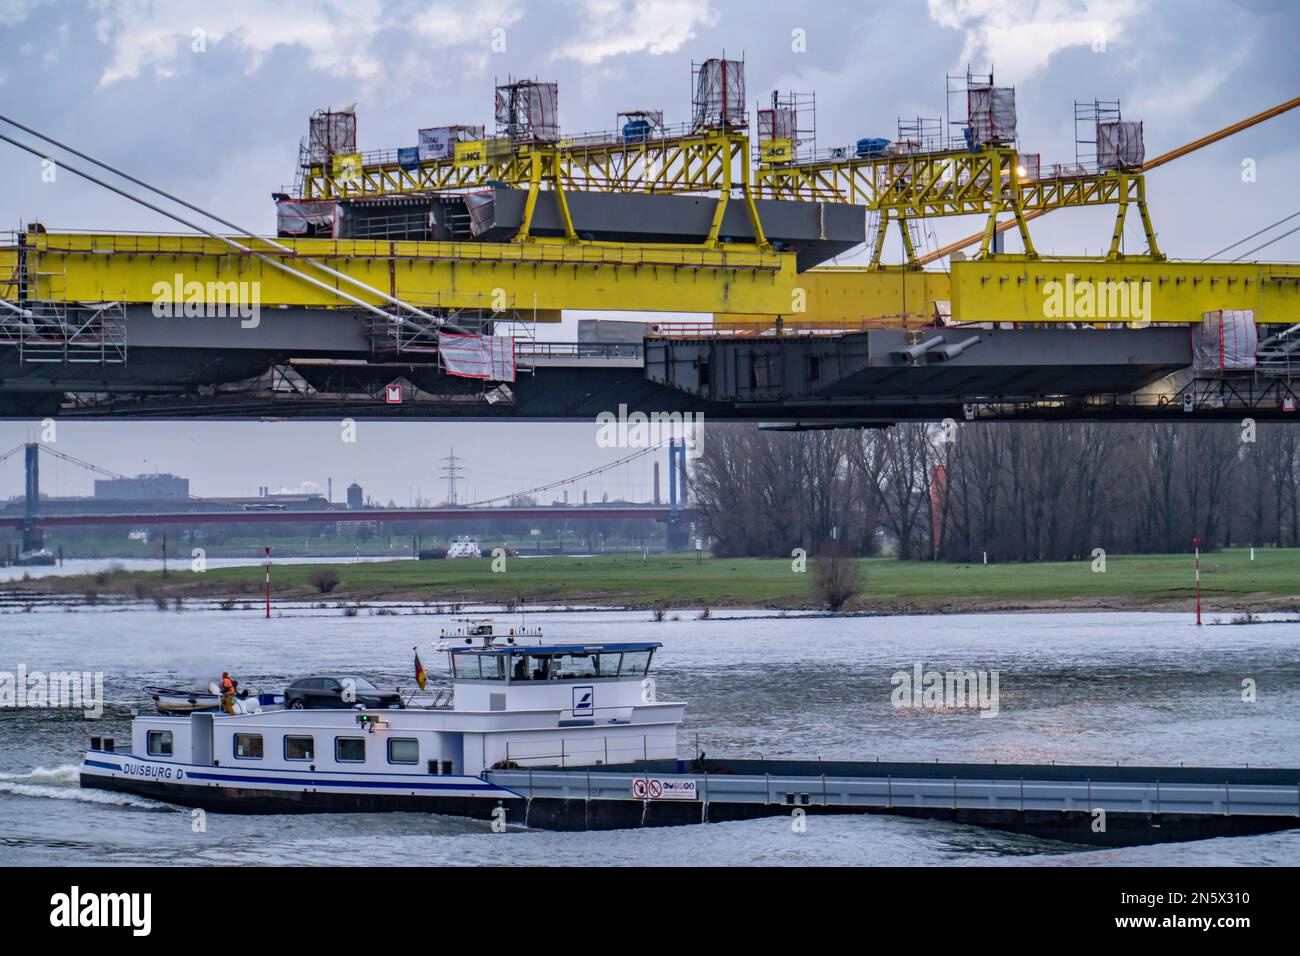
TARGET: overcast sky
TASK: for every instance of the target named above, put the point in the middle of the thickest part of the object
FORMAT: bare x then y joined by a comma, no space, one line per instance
210,99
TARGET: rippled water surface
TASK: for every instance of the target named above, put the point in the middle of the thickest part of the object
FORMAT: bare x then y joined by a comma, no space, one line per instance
1081,688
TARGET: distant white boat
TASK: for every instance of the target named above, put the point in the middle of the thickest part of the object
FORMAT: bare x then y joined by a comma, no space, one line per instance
464,548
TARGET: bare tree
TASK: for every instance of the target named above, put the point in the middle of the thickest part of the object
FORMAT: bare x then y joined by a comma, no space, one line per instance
895,465
837,576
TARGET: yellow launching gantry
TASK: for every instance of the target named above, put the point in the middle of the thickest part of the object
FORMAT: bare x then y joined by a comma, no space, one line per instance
670,163
708,156
902,187
927,173
664,162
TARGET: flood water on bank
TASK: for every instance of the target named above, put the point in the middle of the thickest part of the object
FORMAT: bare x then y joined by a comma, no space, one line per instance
1078,688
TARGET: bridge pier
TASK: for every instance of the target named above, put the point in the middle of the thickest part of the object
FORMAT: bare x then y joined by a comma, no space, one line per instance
33,537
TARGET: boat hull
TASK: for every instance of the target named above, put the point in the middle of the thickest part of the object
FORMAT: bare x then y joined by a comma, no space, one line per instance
238,790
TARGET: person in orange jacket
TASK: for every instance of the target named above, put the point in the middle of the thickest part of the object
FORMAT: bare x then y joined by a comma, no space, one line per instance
227,693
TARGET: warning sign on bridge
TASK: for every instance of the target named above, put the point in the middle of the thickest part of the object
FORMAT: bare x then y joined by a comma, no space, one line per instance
664,788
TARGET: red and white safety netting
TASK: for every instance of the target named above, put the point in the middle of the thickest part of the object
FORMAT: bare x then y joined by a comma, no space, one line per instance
490,357
1227,339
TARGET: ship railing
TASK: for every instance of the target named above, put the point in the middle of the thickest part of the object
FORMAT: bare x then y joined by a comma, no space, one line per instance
603,350
889,791
442,698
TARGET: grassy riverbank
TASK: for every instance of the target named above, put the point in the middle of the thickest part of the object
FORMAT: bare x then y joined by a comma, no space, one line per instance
1230,580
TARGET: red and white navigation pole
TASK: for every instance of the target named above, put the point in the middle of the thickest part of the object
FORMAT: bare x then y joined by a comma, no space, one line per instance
268,586
1196,543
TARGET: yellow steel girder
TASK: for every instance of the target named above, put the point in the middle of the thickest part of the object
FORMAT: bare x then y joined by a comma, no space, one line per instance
1017,290
1088,291
845,297
745,284
541,275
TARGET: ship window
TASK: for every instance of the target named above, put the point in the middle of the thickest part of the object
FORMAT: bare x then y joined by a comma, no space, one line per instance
350,749
478,666
539,667
635,663
573,666
403,750
607,664
248,746
299,748
160,743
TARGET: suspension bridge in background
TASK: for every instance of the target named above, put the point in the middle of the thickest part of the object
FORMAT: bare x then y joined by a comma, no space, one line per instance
31,517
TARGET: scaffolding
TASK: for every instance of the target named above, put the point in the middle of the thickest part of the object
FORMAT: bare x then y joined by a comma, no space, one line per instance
787,128
528,111
1088,119
56,333
924,134
718,94
332,133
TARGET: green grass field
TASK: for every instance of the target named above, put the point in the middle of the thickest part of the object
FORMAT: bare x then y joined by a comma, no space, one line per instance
1229,580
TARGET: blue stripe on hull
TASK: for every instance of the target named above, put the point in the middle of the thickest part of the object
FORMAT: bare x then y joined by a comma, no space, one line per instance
317,783
396,781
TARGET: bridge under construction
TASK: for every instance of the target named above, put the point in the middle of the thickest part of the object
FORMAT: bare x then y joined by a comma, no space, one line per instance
415,282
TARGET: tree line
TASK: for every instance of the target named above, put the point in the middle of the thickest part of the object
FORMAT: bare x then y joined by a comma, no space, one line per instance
1039,491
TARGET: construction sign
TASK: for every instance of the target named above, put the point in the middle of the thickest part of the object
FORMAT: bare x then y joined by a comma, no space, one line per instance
346,167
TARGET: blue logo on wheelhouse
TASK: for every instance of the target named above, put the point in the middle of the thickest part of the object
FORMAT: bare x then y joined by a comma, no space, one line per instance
584,701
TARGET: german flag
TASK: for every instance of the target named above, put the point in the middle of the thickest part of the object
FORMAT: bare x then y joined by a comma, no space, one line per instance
420,676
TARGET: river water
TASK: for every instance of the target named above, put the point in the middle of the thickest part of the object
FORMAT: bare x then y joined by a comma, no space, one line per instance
1081,688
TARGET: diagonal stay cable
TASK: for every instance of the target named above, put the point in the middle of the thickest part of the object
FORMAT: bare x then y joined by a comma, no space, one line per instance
1267,244
1259,232
245,233
570,480
108,472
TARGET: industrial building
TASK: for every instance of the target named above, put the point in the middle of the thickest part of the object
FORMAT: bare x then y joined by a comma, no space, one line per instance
142,488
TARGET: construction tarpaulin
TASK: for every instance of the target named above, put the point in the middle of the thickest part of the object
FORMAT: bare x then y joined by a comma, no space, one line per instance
482,209
1225,340
776,123
991,114
720,94
298,217
528,111
329,133
1120,146
490,357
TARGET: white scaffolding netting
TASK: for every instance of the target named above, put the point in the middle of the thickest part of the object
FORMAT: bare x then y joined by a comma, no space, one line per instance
991,114
720,94
331,133
490,357
776,124
529,112
1119,145
1225,340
